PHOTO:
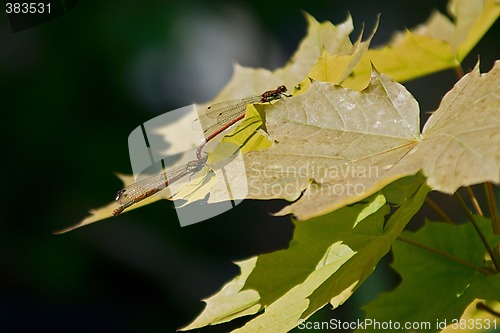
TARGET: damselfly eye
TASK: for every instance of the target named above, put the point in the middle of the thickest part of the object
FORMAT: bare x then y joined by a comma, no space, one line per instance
120,194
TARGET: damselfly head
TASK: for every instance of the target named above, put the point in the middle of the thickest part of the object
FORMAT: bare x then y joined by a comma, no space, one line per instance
120,194
281,89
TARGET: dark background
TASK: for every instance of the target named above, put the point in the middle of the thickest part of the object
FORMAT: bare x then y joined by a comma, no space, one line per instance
73,88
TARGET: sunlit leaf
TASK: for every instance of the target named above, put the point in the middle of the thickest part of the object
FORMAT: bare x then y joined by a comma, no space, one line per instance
320,37
335,146
327,51
461,140
231,302
433,46
328,258
335,68
474,314
250,81
332,145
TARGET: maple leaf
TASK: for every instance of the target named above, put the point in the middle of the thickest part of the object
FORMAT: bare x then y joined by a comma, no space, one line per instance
328,259
439,280
334,146
436,45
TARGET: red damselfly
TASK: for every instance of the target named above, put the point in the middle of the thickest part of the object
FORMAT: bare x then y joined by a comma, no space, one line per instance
221,116
143,189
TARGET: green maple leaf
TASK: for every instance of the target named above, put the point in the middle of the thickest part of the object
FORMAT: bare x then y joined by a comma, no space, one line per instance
440,279
328,258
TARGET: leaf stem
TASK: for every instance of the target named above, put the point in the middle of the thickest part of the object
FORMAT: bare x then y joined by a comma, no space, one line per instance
444,254
475,203
439,211
490,196
484,307
478,230
459,71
